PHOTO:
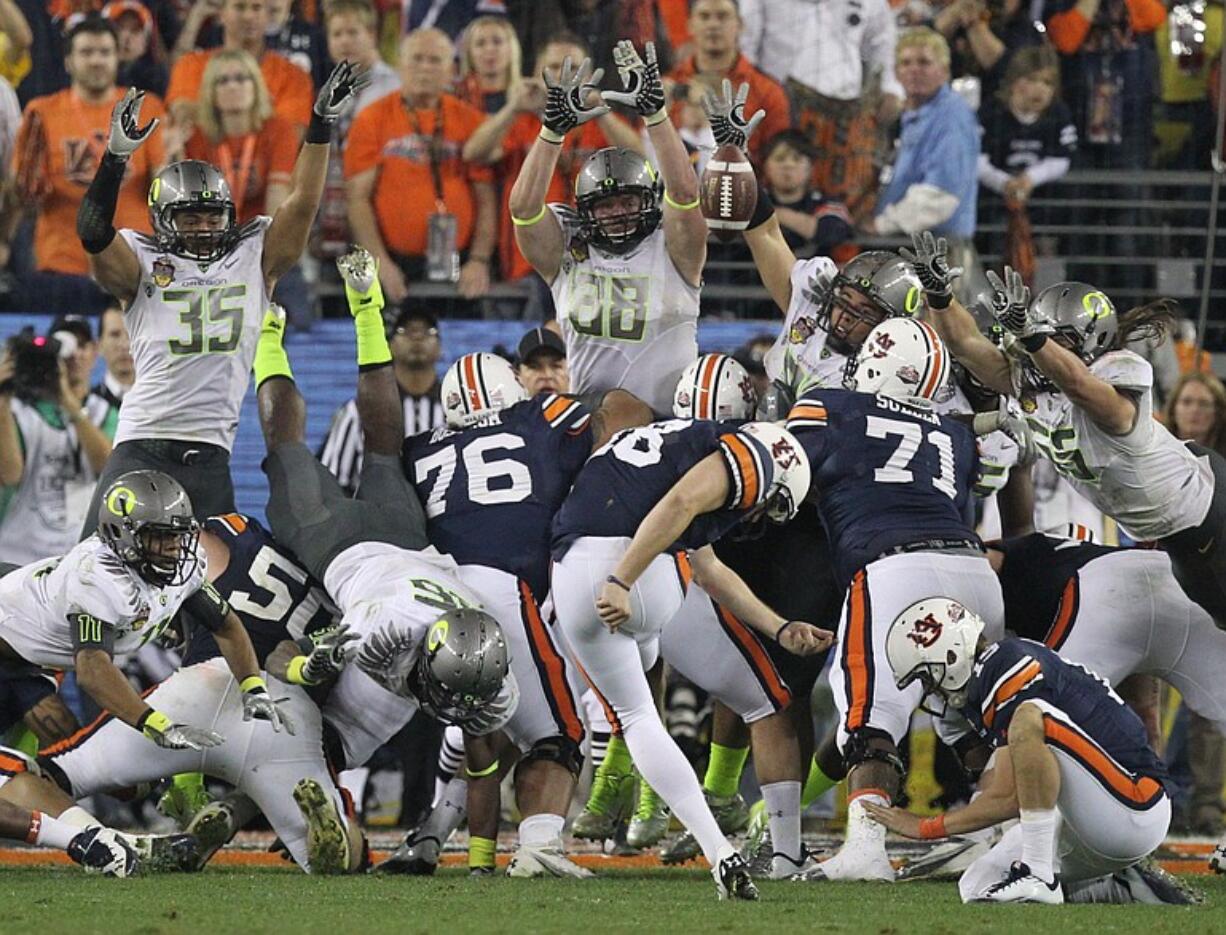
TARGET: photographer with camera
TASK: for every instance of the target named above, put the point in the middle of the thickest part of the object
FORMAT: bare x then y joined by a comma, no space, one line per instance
51,453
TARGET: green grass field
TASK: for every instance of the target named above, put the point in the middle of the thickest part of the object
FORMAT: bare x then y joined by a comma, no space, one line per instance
266,901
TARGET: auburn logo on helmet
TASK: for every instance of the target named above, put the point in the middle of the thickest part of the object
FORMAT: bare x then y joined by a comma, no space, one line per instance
925,632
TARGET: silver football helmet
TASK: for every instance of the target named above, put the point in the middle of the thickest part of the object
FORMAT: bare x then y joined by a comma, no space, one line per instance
608,173
462,665
192,185
871,287
146,519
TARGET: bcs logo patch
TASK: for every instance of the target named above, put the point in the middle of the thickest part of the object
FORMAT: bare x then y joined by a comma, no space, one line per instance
163,272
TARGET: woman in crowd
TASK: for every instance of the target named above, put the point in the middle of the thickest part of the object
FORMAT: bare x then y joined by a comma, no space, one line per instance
490,63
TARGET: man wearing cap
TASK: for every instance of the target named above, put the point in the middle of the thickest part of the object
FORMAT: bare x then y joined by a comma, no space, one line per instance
541,362
50,452
416,351
139,67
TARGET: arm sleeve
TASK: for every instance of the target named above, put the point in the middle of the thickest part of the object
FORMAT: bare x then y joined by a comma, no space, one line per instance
923,206
1047,170
207,606
90,632
1015,679
750,470
990,176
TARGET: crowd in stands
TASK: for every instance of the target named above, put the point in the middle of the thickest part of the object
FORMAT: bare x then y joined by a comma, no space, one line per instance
881,118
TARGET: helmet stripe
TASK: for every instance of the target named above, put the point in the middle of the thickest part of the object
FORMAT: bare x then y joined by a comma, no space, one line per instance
708,379
471,391
934,376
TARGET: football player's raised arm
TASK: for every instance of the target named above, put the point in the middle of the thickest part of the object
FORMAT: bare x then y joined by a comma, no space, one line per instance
291,225
537,231
1113,410
235,645
102,680
773,258
685,229
703,488
957,328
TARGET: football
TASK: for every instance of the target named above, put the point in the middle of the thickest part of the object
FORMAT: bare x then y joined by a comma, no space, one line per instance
729,192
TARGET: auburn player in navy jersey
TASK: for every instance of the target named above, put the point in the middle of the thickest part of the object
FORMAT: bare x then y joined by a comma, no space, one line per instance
491,481
1072,760
893,482
648,501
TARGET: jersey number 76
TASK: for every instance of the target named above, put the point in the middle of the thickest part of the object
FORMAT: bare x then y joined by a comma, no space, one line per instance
490,480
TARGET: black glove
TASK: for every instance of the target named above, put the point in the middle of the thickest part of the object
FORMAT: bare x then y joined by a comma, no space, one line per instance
726,114
930,261
644,91
1010,300
566,97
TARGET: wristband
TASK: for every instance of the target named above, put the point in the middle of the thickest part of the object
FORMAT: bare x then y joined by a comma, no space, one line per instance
252,683
657,118
318,130
477,774
939,300
550,137
763,211
690,206
154,721
613,579
932,828
779,632
1033,342
528,222
294,671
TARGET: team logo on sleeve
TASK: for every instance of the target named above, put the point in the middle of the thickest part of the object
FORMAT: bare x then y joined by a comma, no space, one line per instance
163,272
802,330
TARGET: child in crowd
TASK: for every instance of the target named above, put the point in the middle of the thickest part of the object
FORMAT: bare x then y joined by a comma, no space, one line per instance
813,225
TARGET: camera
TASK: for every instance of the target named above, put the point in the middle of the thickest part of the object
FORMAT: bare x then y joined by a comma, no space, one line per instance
36,366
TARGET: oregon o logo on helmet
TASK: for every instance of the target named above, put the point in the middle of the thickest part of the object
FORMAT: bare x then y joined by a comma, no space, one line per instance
912,301
438,634
155,189
120,501
1096,304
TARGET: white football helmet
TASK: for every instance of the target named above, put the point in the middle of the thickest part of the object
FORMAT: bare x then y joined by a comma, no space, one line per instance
476,385
792,475
934,641
901,358
714,387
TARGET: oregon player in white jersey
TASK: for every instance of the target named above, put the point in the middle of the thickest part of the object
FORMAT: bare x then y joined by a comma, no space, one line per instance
624,269
1090,404
194,294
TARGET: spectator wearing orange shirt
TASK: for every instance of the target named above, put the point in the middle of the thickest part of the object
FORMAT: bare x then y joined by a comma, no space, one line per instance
237,131
243,23
403,163
59,145
715,29
505,138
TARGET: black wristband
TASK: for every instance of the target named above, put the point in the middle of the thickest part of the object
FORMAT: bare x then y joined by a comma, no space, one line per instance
1033,342
763,211
613,579
939,300
143,720
318,130
779,632
96,216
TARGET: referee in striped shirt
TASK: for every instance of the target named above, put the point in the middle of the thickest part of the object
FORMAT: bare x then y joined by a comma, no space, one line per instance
416,350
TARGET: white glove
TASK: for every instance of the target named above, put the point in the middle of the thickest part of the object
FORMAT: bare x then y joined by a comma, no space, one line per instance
261,706
126,132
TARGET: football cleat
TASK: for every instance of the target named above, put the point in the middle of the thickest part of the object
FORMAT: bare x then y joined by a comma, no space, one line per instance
164,853
788,868
732,879
650,821
481,871
761,860
181,805
101,850
609,800
1217,860
213,827
732,815
416,856
327,837
544,862
1022,886
852,862
944,861
1147,882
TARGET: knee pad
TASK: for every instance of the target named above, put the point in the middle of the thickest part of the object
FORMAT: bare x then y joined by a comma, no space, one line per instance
869,743
559,749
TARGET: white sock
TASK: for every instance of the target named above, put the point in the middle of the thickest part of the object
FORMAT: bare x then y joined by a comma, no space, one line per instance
52,832
1039,841
783,812
78,817
862,830
543,830
450,759
448,812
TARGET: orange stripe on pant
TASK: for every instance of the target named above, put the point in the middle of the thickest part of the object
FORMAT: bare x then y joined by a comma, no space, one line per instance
685,571
857,656
1066,614
1139,793
74,741
12,765
1006,692
551,667
759,662
609,714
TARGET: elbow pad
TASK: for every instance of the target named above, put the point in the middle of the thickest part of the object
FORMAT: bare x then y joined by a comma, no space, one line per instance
95,217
